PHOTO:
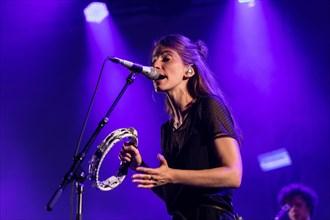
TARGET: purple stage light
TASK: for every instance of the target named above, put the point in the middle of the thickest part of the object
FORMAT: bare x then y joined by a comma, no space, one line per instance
250,3
96,12
274,160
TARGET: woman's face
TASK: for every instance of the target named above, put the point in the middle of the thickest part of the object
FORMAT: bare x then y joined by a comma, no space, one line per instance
299,209
169,64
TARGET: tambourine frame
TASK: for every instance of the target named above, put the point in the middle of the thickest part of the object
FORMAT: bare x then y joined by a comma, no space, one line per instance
101,152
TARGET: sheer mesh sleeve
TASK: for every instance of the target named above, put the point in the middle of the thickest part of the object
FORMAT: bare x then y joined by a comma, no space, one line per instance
217,118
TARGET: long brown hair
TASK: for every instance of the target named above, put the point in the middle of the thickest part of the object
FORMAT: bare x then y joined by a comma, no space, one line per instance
194,54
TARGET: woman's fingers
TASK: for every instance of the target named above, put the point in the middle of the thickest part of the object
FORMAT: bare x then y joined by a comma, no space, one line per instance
125,157
142,176
145,180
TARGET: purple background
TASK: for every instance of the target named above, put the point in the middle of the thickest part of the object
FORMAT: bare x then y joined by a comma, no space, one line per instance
272,62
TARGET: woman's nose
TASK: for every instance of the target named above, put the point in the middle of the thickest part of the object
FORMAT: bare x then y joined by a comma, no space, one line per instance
157,64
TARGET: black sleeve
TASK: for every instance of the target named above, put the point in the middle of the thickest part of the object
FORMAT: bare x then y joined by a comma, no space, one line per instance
217,118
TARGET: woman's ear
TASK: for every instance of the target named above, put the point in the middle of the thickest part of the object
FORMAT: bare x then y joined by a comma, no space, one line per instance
190,72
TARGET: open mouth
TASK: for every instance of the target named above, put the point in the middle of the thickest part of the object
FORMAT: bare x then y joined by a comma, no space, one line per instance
160,77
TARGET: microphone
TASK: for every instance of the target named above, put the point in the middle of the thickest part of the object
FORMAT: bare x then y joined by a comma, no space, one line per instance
149,72
283,210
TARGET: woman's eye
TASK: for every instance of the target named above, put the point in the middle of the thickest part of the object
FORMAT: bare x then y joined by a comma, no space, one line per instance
166,59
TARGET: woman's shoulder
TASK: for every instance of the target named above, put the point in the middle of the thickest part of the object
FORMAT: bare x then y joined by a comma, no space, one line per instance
213,106
210,100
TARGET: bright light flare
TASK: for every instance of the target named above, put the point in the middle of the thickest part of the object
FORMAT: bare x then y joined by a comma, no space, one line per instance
250,3
96,12
274,160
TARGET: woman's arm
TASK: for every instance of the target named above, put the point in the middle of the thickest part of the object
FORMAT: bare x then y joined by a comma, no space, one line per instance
228,175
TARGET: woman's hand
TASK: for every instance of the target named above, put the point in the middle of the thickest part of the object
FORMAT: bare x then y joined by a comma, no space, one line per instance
152,177
131,154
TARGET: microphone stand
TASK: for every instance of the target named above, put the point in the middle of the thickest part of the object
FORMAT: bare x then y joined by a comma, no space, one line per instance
76,173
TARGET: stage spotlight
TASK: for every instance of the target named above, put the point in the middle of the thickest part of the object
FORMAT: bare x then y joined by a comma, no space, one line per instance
96,12
274,160
250,3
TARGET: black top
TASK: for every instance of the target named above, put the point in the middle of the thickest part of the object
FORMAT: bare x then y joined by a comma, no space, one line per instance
190,147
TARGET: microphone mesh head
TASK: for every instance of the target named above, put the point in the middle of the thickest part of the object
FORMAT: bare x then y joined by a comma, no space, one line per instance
154,73
151,73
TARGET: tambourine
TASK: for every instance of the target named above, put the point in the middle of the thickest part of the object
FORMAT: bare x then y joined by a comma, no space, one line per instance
101,152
